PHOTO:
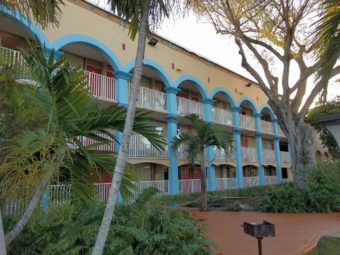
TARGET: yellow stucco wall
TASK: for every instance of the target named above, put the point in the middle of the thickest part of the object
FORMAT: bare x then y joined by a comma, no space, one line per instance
79,18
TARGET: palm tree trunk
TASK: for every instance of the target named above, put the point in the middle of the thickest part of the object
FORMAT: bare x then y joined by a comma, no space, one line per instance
29,210
2,238
204,201
124,148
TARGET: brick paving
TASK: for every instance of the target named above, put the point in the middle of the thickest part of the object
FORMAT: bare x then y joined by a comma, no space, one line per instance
296,233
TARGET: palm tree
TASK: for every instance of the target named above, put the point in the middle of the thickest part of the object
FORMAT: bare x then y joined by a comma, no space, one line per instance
204,135
69,114
142,14
328,42
43,12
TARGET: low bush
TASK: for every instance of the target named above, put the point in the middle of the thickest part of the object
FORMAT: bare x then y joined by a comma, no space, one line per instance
140,228
321,193
192,199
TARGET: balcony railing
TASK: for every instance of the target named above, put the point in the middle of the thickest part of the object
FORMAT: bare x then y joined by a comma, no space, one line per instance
267,127
223,155
222,116
249,154
250,181
101,86
247,122
103,147
268,155
151,99
285,158
226,183
270,180
189,186
183,152
185,106
141,147
15,60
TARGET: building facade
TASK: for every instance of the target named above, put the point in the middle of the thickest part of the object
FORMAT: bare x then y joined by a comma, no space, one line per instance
175,82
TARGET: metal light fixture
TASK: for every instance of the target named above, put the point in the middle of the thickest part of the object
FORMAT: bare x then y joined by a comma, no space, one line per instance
153,41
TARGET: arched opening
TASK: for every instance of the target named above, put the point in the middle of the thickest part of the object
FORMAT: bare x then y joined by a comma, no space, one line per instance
97,67
152,94
268,150
13,36
267,121
151,172
190,97
141,147
270,175
189,178
225,177
318,156
250,176
221,110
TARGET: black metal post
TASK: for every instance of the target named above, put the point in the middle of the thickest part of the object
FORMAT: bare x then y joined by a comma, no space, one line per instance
259,243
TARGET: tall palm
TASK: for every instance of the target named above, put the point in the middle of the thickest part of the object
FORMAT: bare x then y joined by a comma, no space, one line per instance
142,14
69,114
328,32
204,135
43,12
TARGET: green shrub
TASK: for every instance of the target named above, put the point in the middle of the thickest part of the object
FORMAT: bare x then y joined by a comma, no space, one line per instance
140,228
283,198
321,194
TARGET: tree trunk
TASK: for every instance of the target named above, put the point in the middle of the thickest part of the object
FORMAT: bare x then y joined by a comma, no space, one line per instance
302,150
29,210
125,143
2,237
204,201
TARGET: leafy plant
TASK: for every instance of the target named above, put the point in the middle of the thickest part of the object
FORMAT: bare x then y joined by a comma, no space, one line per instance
321,194
142,228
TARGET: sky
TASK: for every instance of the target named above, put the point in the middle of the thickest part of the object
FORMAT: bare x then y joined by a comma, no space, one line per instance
200,37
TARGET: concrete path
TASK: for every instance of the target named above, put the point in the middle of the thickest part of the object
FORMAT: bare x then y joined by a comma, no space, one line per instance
296,233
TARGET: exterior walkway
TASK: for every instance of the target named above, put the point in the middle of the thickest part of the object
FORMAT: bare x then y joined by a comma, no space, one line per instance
296,234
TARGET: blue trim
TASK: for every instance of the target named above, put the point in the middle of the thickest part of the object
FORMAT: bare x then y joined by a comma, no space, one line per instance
235,109
173,162
238,159
57,54
266,106
154,66
172,119
208,110
208,101
225,92
197,82
28,25
258,134
278,160
210,169
87,40
237,130
250,101
172,90
122,75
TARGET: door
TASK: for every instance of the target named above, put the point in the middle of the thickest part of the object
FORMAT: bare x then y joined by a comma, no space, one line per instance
94,80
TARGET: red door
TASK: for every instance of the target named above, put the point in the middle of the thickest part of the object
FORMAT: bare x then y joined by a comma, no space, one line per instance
94,80
185,175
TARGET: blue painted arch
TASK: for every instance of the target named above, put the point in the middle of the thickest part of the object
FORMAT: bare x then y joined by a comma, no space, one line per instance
155,67
197,82
266,106
27,24
87,40
249,101
226,93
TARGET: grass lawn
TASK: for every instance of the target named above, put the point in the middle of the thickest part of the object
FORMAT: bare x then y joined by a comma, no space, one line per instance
328,246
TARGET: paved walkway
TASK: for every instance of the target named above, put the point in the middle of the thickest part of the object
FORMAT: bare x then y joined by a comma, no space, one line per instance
296,234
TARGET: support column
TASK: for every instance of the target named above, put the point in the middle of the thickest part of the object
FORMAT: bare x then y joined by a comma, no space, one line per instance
259,149
209,152
171,94
237,146
277,152
121,80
